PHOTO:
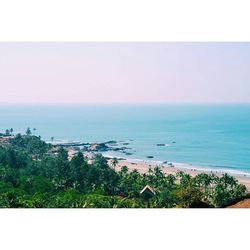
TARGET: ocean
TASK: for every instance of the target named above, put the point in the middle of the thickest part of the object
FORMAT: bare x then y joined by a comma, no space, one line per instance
213,136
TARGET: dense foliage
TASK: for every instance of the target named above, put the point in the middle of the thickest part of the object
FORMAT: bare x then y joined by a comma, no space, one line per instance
32,176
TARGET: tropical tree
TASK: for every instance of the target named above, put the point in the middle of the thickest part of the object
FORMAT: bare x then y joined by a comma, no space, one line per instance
170,180
186,196
124,170
185,179
159,176
79,169
28,131
32,176
114,162
165,198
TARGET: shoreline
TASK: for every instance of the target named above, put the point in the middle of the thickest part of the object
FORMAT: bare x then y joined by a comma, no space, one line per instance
185,166
168,167
107,149
144,165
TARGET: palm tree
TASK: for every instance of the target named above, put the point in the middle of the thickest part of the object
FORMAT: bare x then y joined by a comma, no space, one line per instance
203,180
114,162
185,179
52,138
170,178
34,131
28,131
124,169
228,180
159,176
11,131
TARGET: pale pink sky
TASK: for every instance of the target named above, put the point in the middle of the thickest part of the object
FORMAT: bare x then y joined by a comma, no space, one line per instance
124,72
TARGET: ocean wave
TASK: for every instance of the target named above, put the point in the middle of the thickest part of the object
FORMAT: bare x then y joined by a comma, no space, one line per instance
188,166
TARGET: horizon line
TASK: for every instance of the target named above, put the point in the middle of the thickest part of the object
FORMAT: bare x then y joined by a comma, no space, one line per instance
114,103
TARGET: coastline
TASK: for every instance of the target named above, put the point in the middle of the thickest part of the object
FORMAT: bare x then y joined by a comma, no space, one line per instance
144,165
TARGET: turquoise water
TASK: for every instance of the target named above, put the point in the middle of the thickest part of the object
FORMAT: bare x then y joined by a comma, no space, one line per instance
217,136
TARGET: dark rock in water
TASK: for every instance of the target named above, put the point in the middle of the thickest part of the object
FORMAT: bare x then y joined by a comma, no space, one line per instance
127,153
125,143
165,162
124,148
150,156
173,141
160,144
119,149
110,142
98,147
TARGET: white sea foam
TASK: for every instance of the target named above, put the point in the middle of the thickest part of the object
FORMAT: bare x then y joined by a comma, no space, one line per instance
181,165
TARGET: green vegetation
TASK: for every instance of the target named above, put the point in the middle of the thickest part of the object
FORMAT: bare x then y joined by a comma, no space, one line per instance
28,131
32,175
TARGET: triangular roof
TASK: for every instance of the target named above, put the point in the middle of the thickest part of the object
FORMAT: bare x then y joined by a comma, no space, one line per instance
147,187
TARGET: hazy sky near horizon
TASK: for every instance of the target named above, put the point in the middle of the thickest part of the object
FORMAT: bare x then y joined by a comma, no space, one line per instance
124,72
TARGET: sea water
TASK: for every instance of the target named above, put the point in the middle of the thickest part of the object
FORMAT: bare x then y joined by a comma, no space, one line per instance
205,135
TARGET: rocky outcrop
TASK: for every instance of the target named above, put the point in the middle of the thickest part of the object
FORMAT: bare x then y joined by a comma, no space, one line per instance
98,147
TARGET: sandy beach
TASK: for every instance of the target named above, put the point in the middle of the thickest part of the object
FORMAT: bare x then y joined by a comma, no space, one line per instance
143,166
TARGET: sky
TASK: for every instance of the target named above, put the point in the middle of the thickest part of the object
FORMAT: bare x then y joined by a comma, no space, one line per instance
124,72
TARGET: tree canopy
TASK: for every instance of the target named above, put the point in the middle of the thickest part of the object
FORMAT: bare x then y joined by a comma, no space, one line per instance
31,175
